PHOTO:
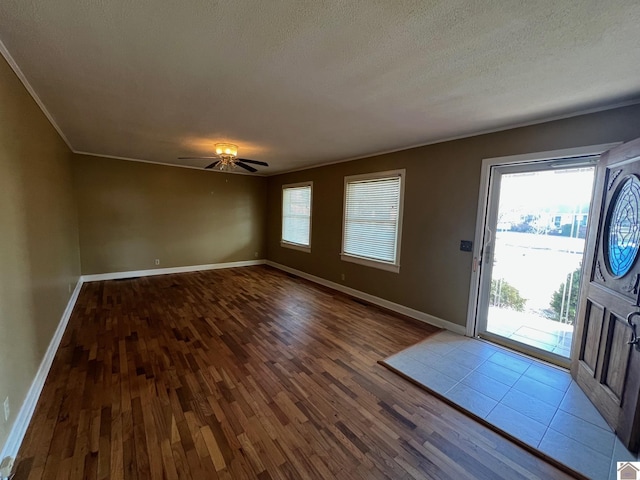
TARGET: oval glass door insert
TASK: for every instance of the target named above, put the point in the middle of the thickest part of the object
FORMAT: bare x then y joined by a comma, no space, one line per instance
623,228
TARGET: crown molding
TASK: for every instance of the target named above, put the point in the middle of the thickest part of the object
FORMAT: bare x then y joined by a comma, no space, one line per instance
16,69
601,108
200,169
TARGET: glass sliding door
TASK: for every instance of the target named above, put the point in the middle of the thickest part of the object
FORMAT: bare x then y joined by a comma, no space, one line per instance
535,230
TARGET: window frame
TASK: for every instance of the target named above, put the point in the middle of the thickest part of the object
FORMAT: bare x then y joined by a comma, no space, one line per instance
288,244
371,262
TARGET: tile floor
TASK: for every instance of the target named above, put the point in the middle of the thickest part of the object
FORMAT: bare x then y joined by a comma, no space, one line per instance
531,400
531,329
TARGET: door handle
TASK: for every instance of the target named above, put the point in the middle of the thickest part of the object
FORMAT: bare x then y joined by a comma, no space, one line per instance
486,246
634,338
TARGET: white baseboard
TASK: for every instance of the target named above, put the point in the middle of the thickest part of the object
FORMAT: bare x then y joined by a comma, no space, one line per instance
19,428
381,302
166,271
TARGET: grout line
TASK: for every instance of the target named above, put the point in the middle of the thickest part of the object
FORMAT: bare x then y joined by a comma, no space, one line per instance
495,406
543,435
584,445
552,419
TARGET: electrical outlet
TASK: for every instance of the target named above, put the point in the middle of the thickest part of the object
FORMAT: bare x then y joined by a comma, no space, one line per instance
157,261
69,288
256,254
6,409
342,277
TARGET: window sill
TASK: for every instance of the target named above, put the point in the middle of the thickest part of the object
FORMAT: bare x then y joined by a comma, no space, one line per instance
389,267
296,246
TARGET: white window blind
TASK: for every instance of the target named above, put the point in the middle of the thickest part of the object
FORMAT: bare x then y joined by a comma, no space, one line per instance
296,215
372,217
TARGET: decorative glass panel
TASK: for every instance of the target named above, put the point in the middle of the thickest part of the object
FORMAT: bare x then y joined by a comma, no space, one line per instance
623,227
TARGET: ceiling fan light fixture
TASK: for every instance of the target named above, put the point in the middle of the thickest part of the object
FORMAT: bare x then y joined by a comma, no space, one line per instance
226,158
227,149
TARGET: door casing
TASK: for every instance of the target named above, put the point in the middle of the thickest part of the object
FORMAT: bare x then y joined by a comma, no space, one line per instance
484,195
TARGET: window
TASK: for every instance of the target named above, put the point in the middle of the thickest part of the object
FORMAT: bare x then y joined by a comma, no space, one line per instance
373,219
296,216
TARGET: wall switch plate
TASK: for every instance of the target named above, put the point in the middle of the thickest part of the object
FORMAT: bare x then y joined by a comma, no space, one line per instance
466,246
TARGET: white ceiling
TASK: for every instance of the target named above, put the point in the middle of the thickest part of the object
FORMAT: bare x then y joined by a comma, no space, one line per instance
299,83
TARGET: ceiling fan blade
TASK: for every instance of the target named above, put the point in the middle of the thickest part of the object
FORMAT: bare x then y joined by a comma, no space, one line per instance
212,165
264,164
195,158
246,167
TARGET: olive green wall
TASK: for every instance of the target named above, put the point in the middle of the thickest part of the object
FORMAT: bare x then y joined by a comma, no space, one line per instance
39,255
441,198
132,213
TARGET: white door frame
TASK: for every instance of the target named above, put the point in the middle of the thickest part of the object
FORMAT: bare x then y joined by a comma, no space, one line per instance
483,198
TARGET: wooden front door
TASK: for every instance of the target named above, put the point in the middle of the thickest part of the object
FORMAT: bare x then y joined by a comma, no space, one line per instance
606,355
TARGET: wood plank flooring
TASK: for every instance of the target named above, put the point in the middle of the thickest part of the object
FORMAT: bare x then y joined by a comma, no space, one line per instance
241,374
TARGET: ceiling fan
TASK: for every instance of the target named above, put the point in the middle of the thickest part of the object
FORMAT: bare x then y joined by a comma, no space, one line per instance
227,158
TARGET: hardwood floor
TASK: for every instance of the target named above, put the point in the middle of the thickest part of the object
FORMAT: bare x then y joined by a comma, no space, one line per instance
246,373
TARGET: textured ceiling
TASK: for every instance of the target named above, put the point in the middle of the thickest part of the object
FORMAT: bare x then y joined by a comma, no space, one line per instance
299,83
